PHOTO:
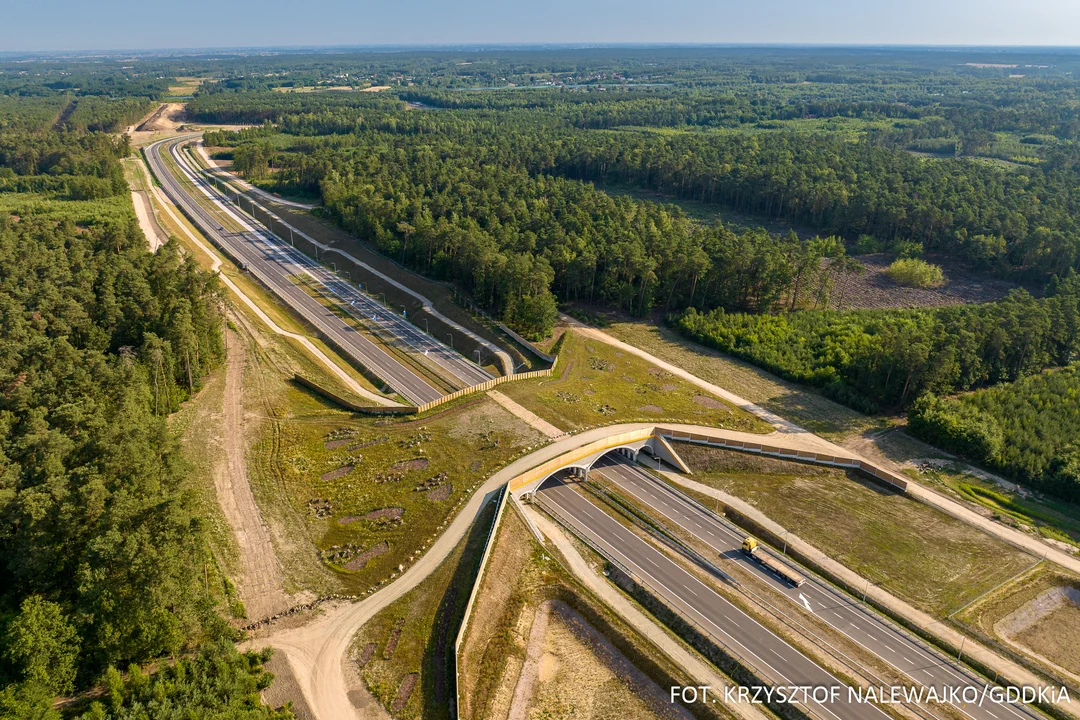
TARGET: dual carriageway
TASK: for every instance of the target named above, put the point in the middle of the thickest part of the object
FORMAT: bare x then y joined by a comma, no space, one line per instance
775,661
278,266
281,267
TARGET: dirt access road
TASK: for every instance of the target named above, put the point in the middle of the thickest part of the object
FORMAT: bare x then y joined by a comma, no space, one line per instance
317,651
261,582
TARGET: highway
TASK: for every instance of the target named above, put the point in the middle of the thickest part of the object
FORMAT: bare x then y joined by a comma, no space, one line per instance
393,329
912,658
771,658
274,263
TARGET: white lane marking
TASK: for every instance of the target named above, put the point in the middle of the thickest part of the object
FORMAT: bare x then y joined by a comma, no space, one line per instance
690,591
806,602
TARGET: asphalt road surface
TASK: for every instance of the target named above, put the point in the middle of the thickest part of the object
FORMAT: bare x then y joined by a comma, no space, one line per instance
914,659
395,330
769,655
273,262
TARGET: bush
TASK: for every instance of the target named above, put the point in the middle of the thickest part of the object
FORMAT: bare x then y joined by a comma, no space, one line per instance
915,273
955,426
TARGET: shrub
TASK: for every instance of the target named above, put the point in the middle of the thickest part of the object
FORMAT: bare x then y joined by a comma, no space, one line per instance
915,273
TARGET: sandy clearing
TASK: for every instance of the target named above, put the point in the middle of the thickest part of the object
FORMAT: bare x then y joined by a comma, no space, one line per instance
534,651
563,642
285,689
260,582
155,236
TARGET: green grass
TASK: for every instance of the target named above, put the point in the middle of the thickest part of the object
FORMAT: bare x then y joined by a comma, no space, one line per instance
1050,517
429,617
468,441
797,403
923,556
595,384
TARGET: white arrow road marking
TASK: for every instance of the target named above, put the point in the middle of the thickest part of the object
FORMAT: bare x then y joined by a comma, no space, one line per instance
805,602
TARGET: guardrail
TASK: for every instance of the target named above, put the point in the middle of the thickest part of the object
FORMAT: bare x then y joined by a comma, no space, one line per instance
787,619
488,545
733,654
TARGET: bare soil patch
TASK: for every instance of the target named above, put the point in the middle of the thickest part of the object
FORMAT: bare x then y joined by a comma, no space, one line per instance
1037,615
651,409
390,512
358,562
706,401
441,493
577,667
285,688
335,474
170,116
407,465
335,444
1056,635
366,654
260,580
404,692
395,638
874,289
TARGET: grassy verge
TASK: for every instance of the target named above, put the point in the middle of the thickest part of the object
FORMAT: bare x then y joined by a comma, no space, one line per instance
416,634
923,556
1023,510
1019,618
596,384
809,409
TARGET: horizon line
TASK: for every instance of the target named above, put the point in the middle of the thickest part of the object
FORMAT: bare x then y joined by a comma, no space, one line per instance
495,45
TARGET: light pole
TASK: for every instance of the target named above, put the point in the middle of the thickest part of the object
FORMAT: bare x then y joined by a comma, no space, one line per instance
426,327
477,356
451,340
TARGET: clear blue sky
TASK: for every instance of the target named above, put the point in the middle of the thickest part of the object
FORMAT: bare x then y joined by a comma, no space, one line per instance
114,24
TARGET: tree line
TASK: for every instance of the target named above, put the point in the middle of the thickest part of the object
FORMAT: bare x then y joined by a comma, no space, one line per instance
886,359
1026,430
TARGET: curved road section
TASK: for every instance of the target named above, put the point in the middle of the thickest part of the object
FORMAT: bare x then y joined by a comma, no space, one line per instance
274,263
397,331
